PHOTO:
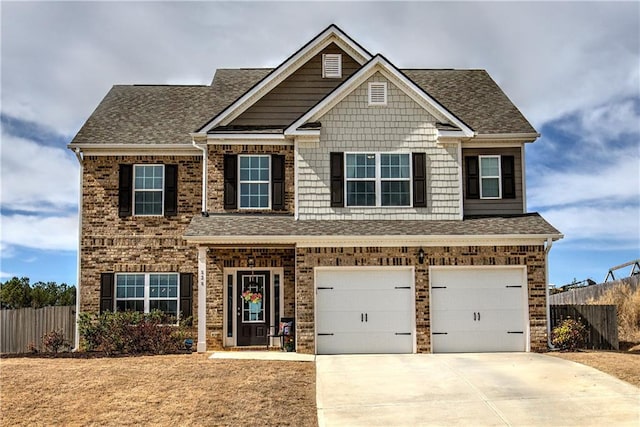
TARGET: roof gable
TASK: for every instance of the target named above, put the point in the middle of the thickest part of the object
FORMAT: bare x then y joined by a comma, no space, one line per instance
331,34
389,71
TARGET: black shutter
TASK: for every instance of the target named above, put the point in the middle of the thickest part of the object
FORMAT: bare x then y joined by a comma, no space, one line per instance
419,180
473,177
507,167
107,281
186,295
337,180
277,182
125,191
171,190
230,181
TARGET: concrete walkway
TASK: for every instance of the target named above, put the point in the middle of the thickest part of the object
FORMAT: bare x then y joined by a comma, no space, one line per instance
498,389
263,355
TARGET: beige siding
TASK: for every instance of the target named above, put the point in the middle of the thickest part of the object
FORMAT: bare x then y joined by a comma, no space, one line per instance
402,126
499,206
297,93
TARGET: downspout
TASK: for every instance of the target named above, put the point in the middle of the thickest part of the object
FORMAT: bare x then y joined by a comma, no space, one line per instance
547,248
203,148
80,157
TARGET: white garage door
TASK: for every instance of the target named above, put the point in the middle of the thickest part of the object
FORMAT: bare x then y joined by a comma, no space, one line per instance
478,309
364,311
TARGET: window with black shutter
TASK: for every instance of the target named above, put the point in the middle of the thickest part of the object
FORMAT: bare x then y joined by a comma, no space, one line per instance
107,284
473,177
336,167
186,295
125,194
277,182
171,190
419,180
508,177
230,181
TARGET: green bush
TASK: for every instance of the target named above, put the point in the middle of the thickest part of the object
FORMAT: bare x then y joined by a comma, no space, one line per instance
131,333
570,335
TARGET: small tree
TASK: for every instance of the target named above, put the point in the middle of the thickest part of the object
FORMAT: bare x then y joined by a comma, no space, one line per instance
15,293
53,341
569,335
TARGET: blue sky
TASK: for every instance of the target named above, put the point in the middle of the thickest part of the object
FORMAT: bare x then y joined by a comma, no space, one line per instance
572,68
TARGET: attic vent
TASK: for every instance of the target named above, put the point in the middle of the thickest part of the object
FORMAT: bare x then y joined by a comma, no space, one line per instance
378,93
332,65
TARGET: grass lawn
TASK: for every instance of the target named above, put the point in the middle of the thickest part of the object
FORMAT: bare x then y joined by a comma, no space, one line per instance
623,365
157,390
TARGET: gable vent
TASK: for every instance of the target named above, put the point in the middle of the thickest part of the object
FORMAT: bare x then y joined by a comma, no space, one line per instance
378,93
332,65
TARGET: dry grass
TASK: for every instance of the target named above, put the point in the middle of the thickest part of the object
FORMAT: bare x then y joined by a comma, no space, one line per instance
628,303
625,366
156,390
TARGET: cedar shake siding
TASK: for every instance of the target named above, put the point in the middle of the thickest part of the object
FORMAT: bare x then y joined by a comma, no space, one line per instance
402,126
133,244
297,93
508,204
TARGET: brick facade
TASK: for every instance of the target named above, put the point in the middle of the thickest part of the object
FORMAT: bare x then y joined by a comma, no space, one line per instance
219,259
133,244
531,256
215,173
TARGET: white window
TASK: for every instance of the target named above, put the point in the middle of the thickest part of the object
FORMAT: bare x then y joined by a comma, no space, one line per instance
332,65
148,185
378,93
145,292
490,185
255,188
374,179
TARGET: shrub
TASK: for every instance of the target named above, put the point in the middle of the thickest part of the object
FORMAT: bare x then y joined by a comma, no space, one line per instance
570,335
131,333
53,341
628,303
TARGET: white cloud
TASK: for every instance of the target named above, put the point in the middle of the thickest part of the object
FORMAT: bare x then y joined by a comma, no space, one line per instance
617,182
4,275
36,178
598,227
44,233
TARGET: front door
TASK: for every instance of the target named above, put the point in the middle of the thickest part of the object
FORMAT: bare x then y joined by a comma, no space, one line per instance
253,307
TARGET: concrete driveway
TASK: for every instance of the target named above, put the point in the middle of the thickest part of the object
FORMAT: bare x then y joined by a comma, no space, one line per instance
519,389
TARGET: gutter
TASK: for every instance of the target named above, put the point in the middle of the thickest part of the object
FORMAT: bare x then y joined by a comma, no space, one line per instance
203,148
547,248
80,157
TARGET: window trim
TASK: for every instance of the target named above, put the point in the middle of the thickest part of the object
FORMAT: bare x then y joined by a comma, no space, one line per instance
268,182
134,190
481,178
329,56
378,180
383,85
147,285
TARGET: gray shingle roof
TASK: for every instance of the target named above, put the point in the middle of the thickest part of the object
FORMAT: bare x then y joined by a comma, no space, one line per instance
474,98
230,225
166,114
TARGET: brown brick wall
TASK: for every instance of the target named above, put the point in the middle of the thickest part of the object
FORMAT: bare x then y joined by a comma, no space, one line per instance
220,258
133,244
531,256
215,173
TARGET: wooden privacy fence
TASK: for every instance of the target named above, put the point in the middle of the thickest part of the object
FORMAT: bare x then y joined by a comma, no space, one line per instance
24,326
601,322
587,293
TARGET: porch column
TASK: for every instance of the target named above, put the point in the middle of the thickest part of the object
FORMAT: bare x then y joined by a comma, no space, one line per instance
202,299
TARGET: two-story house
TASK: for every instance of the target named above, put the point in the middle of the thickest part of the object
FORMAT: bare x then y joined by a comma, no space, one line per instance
383,209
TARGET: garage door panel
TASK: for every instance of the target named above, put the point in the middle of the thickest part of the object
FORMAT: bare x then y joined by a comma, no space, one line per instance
364,311
488,299
478,309
348,300
364,343
480,341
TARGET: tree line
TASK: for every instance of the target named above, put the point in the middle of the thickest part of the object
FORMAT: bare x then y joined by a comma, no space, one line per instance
19,293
